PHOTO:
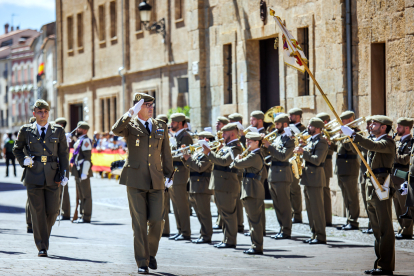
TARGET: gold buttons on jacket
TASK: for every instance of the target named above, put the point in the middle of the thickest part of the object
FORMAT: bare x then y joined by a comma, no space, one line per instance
280,170
149,145
149,154
149,164
150,136
129,165
198,179
44,142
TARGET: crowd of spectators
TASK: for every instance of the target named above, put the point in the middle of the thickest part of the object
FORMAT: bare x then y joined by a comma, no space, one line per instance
104,141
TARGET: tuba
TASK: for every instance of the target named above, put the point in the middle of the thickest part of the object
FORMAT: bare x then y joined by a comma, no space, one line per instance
270,115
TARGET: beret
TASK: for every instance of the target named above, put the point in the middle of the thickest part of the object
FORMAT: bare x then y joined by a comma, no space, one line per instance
83,125
295,111
405,121
236,117
228,127
223,120
282,118
316,122
60,120
257,114
255,136
206,134
162,117
32,120
368,118
177,117
146,97
384,120
324,116
187,119
41,104
347,115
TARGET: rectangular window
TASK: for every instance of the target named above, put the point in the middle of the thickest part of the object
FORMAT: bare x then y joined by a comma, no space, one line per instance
108,109
101,22
228,74
112,7
303,78
103,115
115,110
378,79
70,33
137,17
153,11
80,29
179,9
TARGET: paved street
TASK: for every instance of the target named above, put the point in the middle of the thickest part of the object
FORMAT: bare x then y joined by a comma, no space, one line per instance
105,246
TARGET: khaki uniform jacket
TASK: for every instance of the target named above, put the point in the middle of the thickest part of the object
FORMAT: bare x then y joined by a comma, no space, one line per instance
29,140
346,166
149,157
221,180
198,163
301,127
402,158
252,163
183,173
315,153
281,150
328,163
83,163
263,151
410,195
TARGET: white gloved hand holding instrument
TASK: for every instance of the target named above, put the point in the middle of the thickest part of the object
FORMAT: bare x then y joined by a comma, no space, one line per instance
28,161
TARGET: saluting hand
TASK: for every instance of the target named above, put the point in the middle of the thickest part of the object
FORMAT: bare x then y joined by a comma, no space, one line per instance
136,108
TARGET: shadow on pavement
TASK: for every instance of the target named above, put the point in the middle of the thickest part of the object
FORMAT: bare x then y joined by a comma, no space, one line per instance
5,187
349,245
75,259
11,253
163,273
11,209
106,224
287,256
66,237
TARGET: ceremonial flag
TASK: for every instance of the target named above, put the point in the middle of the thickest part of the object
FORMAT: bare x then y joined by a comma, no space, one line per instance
290,46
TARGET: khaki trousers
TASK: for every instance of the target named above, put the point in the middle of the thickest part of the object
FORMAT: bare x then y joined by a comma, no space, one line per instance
380,214
327,202
254,212
85,197
316,213
296,199
44,206
28,215
240,218
349,187
146,209
201,204
66,201
166,228
406,225
280,192
228,210
179,198
364,199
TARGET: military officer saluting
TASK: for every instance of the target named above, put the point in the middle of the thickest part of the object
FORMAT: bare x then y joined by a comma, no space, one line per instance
280,174
81,169
148,162
38,148
313,178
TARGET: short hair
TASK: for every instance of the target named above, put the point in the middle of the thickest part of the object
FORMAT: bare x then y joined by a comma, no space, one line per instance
9,135
388,129
63,124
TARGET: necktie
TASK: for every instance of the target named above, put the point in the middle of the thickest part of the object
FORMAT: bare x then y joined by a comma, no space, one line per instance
43,133
147,127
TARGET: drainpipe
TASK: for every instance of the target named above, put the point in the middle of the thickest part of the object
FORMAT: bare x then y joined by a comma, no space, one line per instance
123,58
349,54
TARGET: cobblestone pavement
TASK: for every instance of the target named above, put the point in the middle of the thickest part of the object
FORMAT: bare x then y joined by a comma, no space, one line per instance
105,246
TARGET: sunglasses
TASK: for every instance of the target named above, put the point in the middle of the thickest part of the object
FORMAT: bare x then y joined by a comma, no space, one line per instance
149,105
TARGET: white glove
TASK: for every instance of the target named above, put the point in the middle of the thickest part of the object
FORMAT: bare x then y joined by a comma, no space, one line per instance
137,107
288,131
28,161
168,183
239,126
189,126
64,181
347,130
404,186
173,142
83,176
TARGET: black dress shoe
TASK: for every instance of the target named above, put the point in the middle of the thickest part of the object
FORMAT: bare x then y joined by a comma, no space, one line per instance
183,238
329,225
29,230
368,231
282,236
173,237
225,245
216,227
62,218
403,237
165,235
316,241
307,241
143,270
368,271
379,271
42,253
405,216
241,231
152,263
296,220
217,244
201,240
247,234
253,251
349,227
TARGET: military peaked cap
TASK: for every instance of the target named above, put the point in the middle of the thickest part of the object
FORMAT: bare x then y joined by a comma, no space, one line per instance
316,122
41,104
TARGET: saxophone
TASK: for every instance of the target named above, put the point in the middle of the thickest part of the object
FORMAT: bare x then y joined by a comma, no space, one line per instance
296,160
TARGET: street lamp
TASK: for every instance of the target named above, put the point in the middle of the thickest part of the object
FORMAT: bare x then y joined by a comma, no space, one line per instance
145,15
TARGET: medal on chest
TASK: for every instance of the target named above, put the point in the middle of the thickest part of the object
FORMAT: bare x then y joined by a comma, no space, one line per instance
137,142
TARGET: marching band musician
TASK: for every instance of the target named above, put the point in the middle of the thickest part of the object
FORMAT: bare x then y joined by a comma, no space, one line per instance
225,183
313,178
178,192
280,174
295,117
381,154
234,118
199,191
252,191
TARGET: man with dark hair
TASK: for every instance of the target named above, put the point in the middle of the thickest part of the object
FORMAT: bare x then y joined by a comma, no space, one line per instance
8,153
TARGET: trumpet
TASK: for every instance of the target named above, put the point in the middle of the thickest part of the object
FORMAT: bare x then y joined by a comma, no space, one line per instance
331,124
194,147
329,134
271,136
246,130
243,154
342,138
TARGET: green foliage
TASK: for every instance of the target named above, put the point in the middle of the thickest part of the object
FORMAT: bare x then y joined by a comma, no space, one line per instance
185,110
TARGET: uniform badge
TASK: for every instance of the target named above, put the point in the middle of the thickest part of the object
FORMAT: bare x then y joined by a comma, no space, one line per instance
137,143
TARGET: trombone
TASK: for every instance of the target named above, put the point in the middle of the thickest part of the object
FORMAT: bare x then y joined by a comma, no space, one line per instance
334,133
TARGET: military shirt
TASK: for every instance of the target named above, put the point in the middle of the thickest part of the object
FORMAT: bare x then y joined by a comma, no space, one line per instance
83,162
252,164
200,174
315,154
347,161
281,150
183,173
402,158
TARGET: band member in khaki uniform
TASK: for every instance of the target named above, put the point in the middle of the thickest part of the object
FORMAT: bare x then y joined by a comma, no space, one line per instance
252,191
225,183
200,194
402,162
148,162
381,154
295,117
178,193
313,178
82,170
37,149
28,213
408,187
280,174
327,202
234,118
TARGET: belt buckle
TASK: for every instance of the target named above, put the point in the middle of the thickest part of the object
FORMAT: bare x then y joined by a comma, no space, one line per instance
44,159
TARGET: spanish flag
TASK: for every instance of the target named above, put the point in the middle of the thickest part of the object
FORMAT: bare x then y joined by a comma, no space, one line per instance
41,69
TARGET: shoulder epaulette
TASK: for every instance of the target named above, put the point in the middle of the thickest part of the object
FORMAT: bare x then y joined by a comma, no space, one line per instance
160,121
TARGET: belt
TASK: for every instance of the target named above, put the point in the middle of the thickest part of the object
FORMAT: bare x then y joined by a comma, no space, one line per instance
225,169
347,156
252,175
378,171
329,156
177,163
283,164
204,174
313,165
401,166
45,159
